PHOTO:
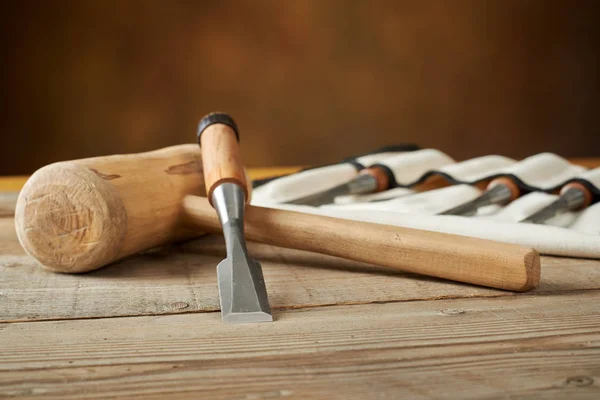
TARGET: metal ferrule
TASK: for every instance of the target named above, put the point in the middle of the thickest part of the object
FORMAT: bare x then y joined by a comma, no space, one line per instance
574,199
229,201
363,183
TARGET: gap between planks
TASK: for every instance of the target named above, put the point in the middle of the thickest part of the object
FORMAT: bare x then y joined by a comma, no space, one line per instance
301,307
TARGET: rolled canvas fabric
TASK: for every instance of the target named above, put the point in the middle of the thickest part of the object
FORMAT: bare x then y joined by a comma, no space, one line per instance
574,234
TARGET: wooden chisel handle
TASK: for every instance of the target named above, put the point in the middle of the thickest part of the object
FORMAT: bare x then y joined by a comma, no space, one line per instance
218,137
458,258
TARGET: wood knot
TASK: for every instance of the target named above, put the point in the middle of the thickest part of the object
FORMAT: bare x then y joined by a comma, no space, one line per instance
453,311
179,305
106,177
191,167
579,381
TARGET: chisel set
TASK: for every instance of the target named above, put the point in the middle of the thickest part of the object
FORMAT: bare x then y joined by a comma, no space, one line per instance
482,221
542,201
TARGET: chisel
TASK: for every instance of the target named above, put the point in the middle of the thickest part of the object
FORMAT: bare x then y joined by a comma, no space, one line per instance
381,176
574,196
500,191
357,162
242,290
319,179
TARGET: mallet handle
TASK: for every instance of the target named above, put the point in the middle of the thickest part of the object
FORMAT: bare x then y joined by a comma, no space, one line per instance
458,258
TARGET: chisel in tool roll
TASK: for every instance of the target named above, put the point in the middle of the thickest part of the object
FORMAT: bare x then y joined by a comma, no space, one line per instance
574,196
500,191
316,180
358,162
381,176
242,289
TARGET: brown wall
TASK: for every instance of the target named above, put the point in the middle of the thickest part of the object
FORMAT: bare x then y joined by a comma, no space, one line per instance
309,81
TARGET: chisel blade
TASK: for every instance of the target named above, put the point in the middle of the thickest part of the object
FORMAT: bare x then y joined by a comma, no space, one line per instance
545,213
321,198
242,289
571,200
361,184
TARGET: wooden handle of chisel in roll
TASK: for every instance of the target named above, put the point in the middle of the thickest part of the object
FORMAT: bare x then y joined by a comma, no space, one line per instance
76,216
458,258
218,138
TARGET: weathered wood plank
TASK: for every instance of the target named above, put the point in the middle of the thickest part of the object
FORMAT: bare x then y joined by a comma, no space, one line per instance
9,244
508,347
182,278
8,200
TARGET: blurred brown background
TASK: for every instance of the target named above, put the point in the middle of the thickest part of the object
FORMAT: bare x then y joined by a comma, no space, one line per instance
308,81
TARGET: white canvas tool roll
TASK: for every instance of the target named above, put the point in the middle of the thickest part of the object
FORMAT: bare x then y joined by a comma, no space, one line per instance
575,234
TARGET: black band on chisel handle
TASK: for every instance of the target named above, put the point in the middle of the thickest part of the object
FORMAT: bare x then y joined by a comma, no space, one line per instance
217,118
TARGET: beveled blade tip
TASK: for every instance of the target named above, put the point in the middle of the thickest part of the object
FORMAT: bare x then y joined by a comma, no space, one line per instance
247,317
242,291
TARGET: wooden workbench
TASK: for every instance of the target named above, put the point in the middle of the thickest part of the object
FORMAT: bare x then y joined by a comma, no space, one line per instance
149,327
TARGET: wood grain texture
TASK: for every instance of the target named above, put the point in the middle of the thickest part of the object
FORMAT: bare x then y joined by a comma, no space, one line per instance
16,183
76,216
8,201
518,348
182,278
221,159
458,258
